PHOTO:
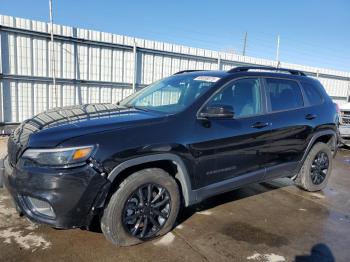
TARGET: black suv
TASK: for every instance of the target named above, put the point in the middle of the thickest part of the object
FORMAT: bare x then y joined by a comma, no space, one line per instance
176,142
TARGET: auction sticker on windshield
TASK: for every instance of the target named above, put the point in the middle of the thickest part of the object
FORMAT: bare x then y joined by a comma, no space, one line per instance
211,79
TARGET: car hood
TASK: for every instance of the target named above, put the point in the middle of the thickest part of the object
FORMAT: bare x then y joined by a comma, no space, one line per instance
52,127
345,106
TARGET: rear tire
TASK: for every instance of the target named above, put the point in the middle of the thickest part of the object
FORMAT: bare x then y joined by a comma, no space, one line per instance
316,170
131,206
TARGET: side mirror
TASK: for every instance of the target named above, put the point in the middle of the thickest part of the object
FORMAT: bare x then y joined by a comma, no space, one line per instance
217,112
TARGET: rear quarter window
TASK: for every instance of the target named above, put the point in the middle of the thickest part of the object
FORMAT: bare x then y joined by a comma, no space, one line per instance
313,95
283,94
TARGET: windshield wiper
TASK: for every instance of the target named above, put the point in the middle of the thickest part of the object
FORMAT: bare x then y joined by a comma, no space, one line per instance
138,108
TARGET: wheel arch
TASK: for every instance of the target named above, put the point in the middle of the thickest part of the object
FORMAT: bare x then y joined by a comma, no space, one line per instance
324,136
181,175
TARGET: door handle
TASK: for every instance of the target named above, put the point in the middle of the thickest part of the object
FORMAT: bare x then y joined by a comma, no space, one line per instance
260,125
310,116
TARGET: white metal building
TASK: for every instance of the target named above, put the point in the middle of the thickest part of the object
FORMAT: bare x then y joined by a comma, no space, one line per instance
93,67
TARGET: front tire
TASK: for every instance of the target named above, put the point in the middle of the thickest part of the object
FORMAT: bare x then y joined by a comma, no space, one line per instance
144,206
317,168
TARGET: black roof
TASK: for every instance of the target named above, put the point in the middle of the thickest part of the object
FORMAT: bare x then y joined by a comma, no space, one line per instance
266,68
242,69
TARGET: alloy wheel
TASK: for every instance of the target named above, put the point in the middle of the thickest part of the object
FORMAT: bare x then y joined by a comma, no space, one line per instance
146,211
319,168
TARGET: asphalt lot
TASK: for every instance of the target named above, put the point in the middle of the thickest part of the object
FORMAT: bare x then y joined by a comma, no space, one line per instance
272,221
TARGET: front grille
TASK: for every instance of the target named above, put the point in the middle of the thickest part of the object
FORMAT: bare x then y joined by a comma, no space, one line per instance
13,150
345,117
17,143
346,113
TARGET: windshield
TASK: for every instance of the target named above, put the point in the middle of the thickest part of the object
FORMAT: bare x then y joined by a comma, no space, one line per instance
172,94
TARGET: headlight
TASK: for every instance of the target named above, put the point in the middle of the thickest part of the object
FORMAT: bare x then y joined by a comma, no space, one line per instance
58,157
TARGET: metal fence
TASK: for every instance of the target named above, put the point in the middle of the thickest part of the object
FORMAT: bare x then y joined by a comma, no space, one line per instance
98,67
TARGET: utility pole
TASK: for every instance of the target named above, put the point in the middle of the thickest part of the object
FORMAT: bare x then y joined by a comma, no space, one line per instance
245,43
52,49
52,57
134,50
278,51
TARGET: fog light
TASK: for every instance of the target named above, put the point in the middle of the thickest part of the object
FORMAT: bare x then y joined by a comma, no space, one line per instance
41,207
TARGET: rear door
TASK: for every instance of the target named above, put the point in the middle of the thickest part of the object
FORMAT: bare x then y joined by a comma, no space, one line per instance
290,127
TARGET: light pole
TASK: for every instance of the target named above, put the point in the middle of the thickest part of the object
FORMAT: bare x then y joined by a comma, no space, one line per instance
278,51
245,43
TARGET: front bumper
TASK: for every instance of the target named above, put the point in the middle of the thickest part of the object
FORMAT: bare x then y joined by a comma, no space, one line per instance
72,193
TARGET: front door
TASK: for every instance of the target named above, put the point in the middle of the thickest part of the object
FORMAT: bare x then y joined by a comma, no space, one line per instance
231,147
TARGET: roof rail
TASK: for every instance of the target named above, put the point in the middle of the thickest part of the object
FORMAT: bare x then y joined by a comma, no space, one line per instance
186,71
268,68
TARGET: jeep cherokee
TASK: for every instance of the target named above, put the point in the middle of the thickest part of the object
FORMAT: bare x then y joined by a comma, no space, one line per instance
185,138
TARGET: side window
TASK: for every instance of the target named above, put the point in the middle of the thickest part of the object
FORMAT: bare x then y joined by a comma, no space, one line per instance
283,94
243,95
312,94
